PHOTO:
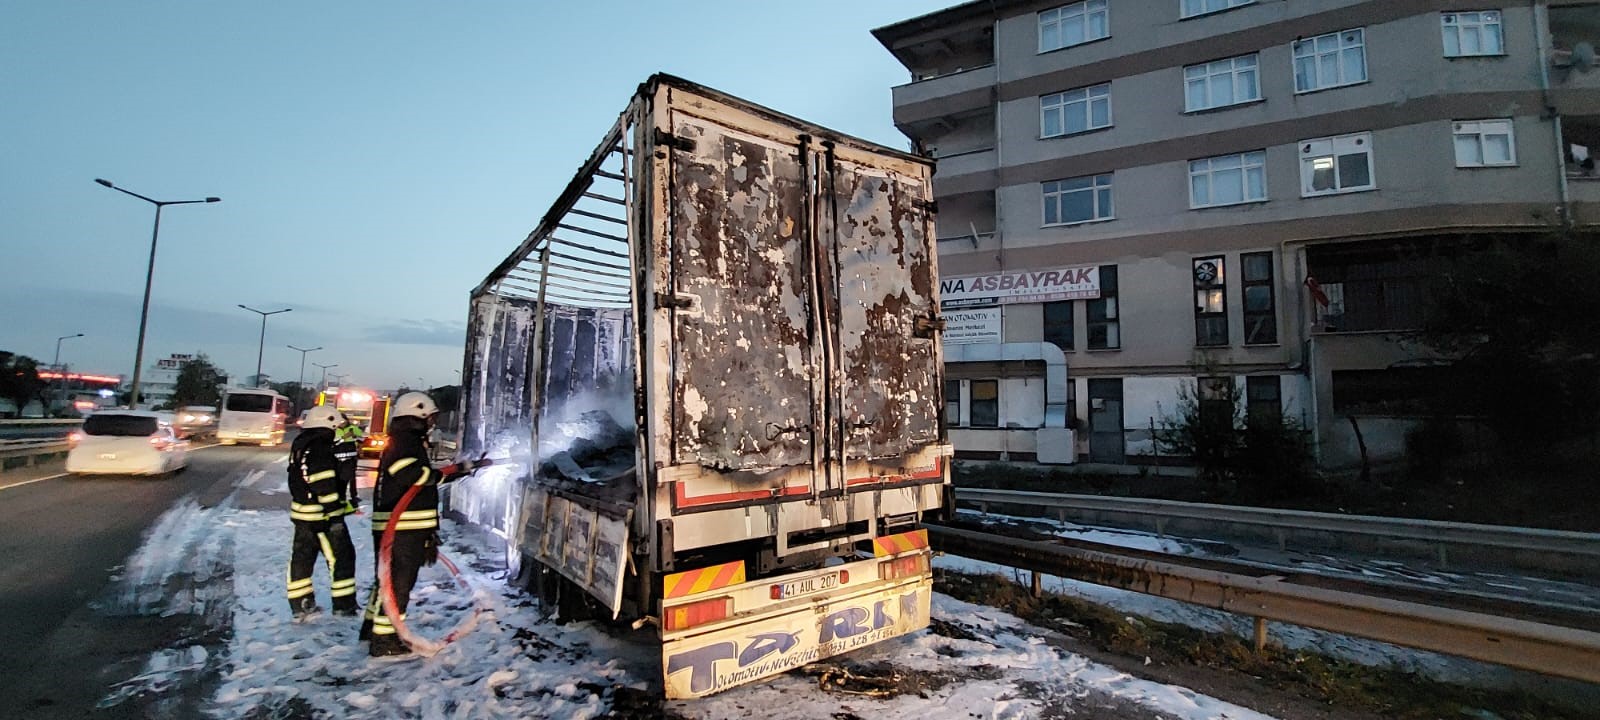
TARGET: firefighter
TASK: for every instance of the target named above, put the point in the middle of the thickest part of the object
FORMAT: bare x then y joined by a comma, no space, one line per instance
317,507
347,448
404,464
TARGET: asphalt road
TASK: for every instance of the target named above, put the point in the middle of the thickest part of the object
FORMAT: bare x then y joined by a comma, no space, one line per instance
63,540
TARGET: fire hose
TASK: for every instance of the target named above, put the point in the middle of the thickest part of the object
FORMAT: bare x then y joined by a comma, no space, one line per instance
391,607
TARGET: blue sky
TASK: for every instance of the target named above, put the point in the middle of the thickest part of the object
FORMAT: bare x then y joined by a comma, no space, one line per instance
375,159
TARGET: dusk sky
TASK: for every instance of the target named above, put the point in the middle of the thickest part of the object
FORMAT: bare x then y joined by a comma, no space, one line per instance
374,159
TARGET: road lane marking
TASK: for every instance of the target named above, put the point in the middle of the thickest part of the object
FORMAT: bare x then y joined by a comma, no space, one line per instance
30,482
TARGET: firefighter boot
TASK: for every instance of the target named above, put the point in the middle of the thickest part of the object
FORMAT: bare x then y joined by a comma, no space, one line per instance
304,607
388,646
366,631
347,607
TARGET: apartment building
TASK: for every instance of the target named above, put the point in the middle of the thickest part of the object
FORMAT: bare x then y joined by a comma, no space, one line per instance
1138,195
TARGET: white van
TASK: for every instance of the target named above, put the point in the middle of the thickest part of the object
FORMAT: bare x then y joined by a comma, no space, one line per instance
250,415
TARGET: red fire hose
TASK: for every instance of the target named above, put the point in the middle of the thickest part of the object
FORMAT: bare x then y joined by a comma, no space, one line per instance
391,608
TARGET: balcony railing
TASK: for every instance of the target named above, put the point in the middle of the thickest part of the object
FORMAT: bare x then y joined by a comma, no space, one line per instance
945,85
967,162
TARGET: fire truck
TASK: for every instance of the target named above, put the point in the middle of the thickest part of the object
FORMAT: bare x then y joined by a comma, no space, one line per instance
367,408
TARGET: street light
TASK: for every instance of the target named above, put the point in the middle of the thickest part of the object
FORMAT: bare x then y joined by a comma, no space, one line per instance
262,346
325,373
149,274
300,385
57,364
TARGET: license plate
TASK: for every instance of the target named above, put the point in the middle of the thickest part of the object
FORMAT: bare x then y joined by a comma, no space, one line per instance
108,456
806,586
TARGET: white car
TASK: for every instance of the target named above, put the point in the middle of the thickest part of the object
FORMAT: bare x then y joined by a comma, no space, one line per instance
127,442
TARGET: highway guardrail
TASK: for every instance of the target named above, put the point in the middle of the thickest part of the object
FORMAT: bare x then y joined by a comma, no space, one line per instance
1449,544
1514,642
27,453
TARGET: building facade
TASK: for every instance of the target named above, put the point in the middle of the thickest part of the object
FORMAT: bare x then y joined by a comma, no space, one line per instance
1136,196
160,381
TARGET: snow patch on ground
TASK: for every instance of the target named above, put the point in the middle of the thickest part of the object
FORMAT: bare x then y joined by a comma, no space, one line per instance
517,663
1006,669
1295,637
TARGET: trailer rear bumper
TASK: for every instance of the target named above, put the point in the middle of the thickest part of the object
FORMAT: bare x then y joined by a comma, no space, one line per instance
766,636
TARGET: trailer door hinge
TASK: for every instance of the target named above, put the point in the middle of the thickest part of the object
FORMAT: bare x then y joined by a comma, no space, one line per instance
927,327
675,142
928,206
677,301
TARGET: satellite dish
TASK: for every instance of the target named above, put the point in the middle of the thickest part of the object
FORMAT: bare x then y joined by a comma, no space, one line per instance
1583,57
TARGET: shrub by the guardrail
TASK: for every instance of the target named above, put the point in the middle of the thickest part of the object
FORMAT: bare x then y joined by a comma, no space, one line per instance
1255,455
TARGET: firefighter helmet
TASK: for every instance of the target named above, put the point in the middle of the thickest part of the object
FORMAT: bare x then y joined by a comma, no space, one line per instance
414,404
323,416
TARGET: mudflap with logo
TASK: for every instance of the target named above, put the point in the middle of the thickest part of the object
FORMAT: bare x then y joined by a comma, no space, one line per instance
699,662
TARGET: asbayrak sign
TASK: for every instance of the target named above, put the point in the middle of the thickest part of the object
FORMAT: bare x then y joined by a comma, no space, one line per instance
1021,286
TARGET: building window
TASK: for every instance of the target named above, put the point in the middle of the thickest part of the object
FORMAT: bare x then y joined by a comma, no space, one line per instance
1468,34
1484,143
1105,330
1058,324
1210,303
1192,8
1221,83
1073,24
952,403
985,405
1217,402
1075,111
1336,165
1260,307
1378,286
1077,200
1263,399
1331,60
1403,392
1228,179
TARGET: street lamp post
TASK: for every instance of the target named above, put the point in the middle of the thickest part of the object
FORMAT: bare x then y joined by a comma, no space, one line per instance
57,365
149,274
300,385
262,346
325,373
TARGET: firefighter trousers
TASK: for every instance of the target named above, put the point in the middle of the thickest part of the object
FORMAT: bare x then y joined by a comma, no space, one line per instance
347,479
332,539
412,549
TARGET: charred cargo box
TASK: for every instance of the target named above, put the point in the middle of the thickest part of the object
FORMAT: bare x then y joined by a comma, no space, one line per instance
716,366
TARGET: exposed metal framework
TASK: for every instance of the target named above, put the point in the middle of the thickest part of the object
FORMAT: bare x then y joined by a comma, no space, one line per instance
588,263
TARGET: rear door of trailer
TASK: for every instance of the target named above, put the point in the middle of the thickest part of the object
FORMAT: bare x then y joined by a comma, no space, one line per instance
789,276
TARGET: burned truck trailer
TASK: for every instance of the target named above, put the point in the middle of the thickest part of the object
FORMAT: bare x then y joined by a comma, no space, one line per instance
716,366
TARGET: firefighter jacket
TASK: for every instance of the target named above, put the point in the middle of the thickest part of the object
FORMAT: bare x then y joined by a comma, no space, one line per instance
405,464
347,442
314,492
